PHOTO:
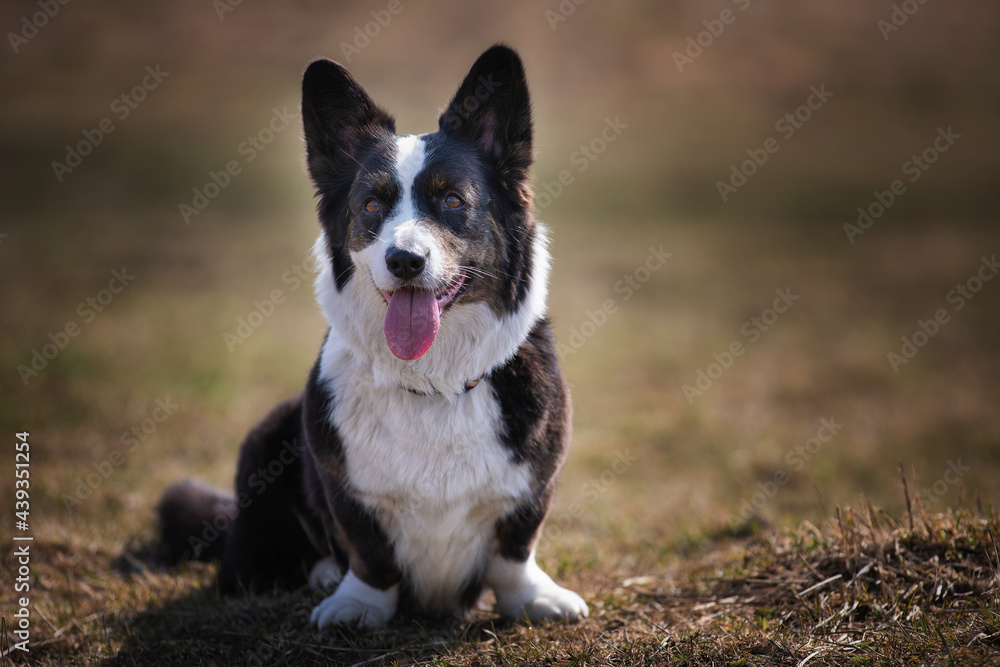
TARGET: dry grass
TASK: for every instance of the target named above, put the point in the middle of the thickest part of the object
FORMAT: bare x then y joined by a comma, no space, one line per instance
862,589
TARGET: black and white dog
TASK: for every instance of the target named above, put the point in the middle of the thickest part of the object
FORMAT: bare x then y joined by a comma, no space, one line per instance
420,461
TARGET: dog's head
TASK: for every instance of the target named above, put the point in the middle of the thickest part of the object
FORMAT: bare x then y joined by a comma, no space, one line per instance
418,229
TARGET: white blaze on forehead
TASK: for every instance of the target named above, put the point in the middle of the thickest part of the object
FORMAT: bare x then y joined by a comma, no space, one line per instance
410,153
402,229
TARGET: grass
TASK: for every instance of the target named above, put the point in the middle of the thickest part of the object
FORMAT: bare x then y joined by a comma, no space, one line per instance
729,538
861,589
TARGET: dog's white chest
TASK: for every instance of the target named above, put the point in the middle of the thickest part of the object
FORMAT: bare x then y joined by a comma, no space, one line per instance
434,472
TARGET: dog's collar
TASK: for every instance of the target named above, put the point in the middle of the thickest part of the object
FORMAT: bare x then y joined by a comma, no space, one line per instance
469,386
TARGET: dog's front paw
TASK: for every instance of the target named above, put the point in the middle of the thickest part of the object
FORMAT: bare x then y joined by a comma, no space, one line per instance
550,601
555,602
344,610
524,591
356,603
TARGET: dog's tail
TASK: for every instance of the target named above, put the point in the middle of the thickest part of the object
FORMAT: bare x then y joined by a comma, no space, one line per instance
194,521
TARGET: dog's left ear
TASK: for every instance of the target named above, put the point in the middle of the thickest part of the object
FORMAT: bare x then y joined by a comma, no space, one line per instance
339,118
492,110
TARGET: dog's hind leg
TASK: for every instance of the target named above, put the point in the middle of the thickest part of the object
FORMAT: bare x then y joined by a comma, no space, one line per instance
273,540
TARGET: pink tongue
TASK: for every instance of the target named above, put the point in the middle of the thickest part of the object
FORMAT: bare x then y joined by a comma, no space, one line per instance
411,322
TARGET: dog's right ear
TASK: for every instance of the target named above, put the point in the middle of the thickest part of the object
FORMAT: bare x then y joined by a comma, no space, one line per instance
339,118
492,111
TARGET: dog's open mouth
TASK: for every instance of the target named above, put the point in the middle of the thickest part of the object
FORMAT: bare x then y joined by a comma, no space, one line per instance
413,316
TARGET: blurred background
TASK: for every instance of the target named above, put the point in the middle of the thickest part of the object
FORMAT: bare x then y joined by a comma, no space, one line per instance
119,120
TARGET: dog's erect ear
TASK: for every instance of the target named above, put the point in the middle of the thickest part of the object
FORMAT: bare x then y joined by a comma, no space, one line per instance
338,117
492,110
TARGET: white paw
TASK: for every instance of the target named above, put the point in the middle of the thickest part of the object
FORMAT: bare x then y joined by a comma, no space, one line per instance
325,574
523,590
356,603
554,602
549,601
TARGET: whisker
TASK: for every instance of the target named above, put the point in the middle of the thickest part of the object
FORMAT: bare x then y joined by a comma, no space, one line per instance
488,274
336,278
474,271
477,272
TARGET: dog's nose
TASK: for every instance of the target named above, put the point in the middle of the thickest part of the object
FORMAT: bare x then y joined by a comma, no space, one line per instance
404,264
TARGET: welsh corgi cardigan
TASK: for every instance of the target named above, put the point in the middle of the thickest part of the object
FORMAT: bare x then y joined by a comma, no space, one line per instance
419,462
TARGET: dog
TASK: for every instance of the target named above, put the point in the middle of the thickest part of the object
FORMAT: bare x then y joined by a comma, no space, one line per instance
417,466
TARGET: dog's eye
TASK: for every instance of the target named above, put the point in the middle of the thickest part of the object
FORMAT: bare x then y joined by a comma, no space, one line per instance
453,201
372,206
